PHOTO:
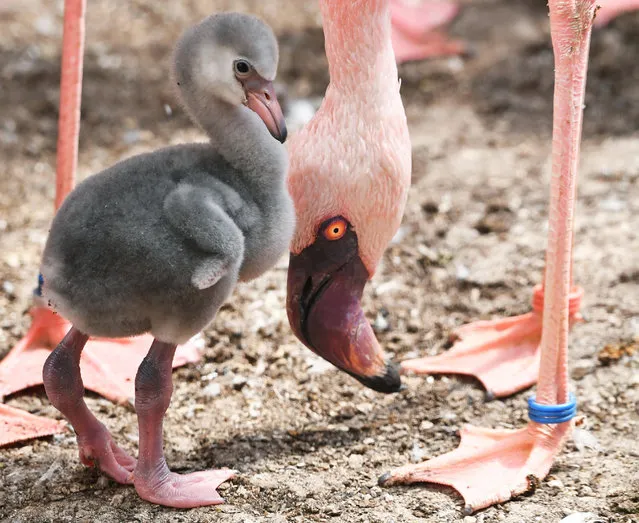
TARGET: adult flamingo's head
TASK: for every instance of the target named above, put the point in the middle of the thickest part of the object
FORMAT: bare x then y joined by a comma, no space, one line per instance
349,177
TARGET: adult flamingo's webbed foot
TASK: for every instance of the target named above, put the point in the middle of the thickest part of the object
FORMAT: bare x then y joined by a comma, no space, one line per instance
18,425
418,30
103,371
21,368
519,458
502,354
611,9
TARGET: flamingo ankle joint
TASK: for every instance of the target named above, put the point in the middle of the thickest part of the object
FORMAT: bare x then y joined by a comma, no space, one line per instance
548,414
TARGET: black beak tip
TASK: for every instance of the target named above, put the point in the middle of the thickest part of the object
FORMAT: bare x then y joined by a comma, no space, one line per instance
283,135
389,383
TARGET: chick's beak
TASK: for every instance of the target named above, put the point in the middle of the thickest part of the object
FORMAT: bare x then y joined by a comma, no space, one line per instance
325,313
261,98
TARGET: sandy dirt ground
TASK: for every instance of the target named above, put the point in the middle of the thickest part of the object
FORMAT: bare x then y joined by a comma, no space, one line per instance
310,442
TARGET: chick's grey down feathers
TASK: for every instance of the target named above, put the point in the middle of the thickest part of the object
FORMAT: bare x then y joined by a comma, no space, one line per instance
157,242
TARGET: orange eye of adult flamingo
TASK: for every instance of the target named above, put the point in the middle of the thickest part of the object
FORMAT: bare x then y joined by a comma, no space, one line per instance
335,230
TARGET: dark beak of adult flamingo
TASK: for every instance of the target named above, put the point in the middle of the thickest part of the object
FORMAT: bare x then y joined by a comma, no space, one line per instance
325,285
261,98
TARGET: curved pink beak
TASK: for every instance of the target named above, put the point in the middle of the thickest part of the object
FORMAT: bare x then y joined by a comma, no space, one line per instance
261,98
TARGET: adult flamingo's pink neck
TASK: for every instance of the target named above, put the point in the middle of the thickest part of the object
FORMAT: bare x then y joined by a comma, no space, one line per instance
358,43
354,158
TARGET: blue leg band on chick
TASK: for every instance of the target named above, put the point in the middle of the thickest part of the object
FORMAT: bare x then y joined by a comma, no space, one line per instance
38,290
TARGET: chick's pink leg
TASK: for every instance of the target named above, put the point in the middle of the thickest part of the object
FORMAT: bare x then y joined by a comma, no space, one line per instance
491,466
152,478
417,29
65,390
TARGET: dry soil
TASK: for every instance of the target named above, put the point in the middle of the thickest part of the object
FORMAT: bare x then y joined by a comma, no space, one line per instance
310,442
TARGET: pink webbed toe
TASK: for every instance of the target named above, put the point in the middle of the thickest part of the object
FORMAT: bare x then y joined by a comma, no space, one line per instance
169,489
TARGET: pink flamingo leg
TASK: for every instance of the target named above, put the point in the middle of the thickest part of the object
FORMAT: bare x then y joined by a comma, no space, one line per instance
417,30
492,466
611,9
70,97
152,478
65,390
108,366
502,354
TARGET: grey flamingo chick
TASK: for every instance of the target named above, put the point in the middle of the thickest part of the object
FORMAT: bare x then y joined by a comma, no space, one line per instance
157,242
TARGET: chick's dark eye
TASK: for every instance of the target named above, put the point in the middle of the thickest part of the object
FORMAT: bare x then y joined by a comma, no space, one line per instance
242,67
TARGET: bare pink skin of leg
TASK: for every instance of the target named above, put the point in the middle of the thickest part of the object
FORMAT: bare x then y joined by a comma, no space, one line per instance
502,354
152,478
65,390
492,466
417,30
70,95
611,9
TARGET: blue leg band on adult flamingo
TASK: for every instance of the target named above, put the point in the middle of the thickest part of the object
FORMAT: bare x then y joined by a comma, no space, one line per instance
552,413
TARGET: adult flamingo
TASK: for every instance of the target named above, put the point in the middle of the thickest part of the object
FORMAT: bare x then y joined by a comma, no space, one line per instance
335,249
22,367
491,466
